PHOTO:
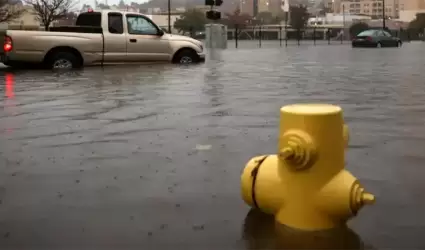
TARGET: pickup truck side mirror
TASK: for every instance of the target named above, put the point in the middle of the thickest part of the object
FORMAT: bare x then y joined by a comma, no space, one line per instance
160,32
164,30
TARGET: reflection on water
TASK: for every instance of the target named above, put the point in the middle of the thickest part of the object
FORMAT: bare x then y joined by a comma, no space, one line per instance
9,82
261,232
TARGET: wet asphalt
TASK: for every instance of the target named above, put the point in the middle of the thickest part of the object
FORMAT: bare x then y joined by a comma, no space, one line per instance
149,157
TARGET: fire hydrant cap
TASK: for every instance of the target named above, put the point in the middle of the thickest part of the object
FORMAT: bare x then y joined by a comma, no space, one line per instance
311,109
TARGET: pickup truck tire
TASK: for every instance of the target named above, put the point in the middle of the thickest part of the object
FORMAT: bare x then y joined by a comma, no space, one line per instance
63,60
186,56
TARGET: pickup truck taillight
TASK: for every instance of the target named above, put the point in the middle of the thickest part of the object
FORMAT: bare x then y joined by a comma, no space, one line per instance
7,46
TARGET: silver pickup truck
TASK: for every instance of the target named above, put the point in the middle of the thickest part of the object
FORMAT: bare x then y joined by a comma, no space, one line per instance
98,38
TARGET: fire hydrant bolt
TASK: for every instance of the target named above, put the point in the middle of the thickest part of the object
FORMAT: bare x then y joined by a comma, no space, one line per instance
305,184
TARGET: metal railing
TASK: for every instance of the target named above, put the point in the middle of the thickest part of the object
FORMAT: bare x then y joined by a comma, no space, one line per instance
285,36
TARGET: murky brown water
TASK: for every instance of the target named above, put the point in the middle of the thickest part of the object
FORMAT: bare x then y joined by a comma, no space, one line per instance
149,157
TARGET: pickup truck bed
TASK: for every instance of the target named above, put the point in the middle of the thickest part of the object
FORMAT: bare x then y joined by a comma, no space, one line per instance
44,47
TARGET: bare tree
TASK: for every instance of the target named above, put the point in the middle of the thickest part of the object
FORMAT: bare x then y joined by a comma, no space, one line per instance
48,11
10,10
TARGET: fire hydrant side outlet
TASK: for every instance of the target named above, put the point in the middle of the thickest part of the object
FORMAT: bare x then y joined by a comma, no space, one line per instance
248,176
335,198
261,186
270,189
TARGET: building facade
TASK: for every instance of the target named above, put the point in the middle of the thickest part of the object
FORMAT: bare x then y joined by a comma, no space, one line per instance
374,8
28,20
409,9
253,7
247,6
332,6
412,4
338,19
263,5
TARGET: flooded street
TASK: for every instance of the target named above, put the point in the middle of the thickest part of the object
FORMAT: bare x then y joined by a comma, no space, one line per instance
150,157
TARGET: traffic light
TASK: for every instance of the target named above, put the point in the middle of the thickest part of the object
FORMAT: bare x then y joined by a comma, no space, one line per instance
213,15
213,2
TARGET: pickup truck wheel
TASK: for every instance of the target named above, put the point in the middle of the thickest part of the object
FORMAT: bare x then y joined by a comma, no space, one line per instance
63,60
186,57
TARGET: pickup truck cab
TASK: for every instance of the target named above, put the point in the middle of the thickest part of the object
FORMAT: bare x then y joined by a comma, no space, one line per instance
98,38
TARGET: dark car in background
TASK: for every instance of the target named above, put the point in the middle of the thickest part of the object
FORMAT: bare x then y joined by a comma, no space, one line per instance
376,38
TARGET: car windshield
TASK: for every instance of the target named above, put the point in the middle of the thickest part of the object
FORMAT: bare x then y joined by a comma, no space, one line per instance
367,33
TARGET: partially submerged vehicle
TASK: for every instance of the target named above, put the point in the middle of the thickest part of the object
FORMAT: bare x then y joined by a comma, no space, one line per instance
98,38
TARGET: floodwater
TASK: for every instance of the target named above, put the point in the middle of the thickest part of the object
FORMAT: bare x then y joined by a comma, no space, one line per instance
149,157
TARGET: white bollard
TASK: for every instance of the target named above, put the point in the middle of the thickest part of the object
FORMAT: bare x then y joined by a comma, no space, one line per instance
215,36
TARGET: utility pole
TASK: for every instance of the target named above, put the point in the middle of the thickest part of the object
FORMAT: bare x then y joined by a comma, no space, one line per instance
383,14
169,16
343,21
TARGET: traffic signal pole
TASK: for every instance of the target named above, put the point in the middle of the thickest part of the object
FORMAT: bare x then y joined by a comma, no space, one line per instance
215,33
383,15
169,16
212,14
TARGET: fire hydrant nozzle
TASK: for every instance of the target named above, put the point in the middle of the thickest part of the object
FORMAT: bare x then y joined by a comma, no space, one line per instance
305,185
360,197
298,150
368,198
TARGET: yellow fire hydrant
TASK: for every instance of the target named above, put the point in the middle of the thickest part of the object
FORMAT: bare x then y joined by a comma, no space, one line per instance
305,186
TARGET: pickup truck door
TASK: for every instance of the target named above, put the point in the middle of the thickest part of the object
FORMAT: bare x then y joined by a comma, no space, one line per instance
115,43
143,41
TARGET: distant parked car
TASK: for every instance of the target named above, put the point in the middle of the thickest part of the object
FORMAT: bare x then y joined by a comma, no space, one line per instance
376,38
199,35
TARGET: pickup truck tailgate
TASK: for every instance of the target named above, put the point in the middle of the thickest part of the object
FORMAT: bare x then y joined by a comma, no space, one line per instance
2,35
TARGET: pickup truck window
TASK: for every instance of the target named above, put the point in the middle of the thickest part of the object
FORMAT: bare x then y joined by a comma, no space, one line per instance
115,24
92,19
139,25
